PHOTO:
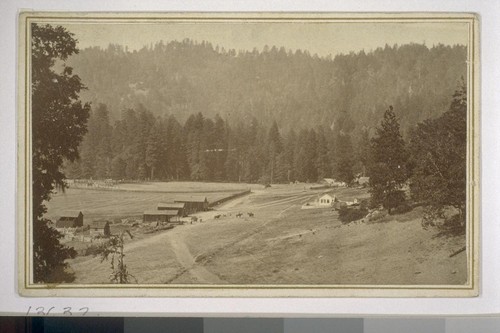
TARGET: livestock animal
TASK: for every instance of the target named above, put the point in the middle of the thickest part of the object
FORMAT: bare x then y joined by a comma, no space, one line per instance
250,214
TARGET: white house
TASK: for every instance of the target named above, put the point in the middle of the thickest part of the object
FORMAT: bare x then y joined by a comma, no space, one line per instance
327,200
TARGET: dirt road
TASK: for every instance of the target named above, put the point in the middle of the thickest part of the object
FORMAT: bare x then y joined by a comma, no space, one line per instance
195,267
188,261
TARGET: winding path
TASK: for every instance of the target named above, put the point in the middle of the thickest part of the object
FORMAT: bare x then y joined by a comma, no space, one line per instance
189,263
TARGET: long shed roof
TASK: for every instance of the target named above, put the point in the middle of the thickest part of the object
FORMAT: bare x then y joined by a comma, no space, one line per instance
194,198
71,213
177,205
166,212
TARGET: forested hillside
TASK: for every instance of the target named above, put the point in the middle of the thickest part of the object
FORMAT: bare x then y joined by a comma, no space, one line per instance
187,110
296,89
141,146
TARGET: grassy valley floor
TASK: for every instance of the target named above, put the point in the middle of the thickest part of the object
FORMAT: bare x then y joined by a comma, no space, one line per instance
283,244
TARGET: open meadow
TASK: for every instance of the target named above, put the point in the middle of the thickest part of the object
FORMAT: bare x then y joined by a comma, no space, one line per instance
284,244
130,200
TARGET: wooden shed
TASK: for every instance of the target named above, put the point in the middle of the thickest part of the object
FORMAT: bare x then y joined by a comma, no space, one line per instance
70,219
180,207
100,228
160,215
193,204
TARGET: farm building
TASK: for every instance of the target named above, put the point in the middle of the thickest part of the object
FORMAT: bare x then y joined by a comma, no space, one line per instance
70,219
193,204
100,228
160,215
329,181
179,206
332,182
327,200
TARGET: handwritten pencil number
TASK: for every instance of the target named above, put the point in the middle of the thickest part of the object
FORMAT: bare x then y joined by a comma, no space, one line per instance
67,311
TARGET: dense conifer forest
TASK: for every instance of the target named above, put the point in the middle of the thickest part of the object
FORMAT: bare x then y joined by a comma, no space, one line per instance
189,110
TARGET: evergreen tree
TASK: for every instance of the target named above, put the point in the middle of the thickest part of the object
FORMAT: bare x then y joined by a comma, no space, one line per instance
311,155
194,130
221,148
387,167
344,161
96,148
145,121
439,159
323,164
177,165
363,151
232,164
103,148
156,157
275,147
289,155
208,150
118,168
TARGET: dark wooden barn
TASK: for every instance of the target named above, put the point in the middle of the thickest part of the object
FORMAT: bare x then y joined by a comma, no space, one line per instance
100,228
160,215
178,206
70,219
193,204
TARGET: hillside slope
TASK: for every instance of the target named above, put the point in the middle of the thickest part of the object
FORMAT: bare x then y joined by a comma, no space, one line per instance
183,78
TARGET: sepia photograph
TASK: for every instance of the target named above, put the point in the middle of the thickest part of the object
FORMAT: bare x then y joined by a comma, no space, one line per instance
258,155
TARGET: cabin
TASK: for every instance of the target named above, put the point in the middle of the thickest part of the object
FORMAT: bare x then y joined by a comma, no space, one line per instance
70,219
327,200
193,204
179,206
100,228
160,216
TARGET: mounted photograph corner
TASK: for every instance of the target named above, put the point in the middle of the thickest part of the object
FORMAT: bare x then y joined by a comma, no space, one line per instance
248,155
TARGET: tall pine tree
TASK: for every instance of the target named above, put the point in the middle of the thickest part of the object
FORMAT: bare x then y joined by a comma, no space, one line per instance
344,158
387,166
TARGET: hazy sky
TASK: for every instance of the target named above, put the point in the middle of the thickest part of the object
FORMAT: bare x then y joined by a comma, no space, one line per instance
320,38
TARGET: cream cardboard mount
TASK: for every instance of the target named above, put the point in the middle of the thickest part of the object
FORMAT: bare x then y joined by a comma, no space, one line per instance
278,238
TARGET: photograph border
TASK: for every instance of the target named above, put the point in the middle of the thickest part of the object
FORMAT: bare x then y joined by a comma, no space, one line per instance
26,287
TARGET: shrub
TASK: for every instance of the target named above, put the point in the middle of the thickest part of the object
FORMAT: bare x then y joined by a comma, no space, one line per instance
453,225
393,200
364,204
376,215
347,215
402,209
95,249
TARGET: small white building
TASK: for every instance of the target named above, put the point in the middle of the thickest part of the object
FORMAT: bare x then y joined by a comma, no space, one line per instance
333,183
327,200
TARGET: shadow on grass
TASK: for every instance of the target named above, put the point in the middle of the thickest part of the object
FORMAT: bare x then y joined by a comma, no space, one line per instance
61,275
450,231
415,214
